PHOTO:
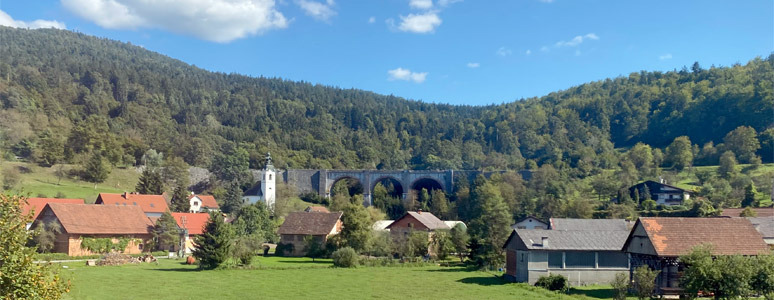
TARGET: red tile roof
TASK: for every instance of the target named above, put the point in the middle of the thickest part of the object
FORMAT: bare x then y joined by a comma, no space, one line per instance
207,200
191,221
677,236
37,204
99,219
148,203
761,212
309,223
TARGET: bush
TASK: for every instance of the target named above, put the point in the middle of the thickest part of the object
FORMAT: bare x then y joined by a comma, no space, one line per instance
284,249
344,258
553,282
620,285
644,281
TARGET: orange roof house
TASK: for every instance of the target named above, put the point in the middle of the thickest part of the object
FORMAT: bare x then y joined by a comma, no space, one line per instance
37,204
659,242
80,221
152,205
194,224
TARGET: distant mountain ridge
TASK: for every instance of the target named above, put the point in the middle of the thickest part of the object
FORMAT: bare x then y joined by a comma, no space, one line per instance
89,93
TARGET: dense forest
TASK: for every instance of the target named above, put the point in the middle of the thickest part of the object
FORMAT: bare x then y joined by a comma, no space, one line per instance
65,90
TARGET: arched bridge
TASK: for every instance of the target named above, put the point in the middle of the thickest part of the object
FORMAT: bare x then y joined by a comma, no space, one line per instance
321,181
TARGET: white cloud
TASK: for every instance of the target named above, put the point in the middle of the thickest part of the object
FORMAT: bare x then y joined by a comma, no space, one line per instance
576,40
6,20
447,2
371,20
544,49
419,23
504,51
421,4
473,65
406,75
528,52
213,20
318,10
665,56
547,1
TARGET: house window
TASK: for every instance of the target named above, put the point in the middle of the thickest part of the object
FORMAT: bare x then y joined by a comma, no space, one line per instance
134,203
580,259
139,246
269,176
555,259
613,260
522,257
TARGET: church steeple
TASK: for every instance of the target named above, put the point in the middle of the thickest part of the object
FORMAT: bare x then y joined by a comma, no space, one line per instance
269,165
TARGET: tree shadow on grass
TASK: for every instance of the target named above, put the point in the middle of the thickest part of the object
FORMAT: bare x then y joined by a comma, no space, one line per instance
452,269
483,280
179,270
303,262
599,293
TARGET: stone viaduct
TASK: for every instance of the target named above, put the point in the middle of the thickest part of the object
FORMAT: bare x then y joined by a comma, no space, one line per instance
321,181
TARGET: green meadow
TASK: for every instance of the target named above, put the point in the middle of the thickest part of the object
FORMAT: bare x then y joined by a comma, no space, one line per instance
299,278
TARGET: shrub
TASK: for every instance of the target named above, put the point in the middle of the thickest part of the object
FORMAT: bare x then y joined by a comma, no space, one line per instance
553,282
644,281
344,258
284,249
620,284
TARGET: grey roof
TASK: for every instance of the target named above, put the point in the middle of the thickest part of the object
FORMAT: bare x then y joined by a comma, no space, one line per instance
589,224
764,225
532,239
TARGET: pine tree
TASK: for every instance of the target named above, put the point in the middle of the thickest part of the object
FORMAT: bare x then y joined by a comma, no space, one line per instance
213,247
439,205
96,169
180,201
165,232
492,226
749,196
150,183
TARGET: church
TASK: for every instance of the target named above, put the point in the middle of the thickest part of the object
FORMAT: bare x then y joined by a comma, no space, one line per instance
265,188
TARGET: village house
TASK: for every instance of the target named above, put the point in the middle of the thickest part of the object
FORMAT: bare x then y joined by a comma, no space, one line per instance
659,242
317,209
585,251
202,203
765,226
381,225
152,205
192,225
415,220
662,193
80,221
300,225
530,222
37,204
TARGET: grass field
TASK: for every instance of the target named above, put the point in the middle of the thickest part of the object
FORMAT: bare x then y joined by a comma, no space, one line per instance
297,278
36,180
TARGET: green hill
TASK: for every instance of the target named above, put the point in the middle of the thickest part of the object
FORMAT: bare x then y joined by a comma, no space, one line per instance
66,91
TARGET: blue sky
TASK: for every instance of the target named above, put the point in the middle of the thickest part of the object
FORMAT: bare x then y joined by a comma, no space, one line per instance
446,51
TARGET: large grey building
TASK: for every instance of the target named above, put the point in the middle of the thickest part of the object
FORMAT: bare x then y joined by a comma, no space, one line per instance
588,252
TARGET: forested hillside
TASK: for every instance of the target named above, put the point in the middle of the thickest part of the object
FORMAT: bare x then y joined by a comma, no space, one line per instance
64,95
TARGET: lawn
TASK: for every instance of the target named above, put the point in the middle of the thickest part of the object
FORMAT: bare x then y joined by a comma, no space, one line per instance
36,180
292,278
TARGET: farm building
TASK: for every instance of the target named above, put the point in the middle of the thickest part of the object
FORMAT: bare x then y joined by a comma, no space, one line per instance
659,242
583,256
416,220
37,204
300,225
82,221
662,193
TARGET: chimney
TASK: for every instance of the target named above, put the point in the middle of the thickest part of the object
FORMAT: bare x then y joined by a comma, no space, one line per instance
192,193
419,211
126,195
544,241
